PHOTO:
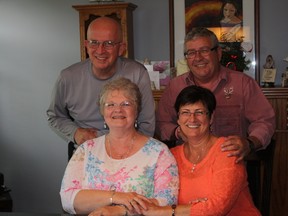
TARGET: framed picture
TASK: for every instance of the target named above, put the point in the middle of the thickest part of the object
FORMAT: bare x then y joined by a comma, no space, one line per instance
242,38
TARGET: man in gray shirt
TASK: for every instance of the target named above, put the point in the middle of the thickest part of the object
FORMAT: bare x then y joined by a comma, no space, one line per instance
74,112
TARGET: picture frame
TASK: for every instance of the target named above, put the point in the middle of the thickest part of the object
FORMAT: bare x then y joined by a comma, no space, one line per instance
269,75
250,13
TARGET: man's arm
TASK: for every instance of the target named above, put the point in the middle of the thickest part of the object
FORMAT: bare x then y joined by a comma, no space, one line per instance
166,116
146,118
58,116
261,116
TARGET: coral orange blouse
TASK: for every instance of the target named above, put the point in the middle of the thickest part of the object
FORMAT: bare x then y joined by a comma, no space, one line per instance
218,178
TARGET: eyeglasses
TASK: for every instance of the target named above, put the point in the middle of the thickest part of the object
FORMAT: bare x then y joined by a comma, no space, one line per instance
197,113
190,54
95,44
124,105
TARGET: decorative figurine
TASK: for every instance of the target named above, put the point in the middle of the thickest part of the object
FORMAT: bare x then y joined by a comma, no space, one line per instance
269,72
284,82
269,64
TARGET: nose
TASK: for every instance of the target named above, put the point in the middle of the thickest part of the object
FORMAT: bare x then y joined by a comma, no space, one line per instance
100,48
118,107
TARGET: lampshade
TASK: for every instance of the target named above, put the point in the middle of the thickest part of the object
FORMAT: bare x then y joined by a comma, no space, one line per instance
286,59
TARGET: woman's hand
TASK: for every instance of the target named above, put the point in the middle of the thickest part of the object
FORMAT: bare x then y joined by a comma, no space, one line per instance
133,201
154,209
116,210
183,210
204,199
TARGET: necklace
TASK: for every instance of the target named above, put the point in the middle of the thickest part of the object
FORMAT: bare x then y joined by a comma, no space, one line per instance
194,164
201,154
121,156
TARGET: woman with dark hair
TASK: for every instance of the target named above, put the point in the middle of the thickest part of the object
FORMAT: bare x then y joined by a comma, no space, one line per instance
230,21
210,182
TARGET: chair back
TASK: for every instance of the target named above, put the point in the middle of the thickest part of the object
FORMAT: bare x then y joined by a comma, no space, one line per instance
260,170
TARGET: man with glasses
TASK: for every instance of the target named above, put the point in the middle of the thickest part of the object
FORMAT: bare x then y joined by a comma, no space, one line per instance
243,114
74,112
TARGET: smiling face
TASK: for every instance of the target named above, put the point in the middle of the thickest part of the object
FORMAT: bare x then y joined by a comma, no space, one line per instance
204,68
119,111
229,11
194,120
104,59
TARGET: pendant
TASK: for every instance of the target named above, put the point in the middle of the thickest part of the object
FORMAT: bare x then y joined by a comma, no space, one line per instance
193,168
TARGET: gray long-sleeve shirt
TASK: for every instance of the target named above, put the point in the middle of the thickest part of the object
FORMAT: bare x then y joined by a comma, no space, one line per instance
76,93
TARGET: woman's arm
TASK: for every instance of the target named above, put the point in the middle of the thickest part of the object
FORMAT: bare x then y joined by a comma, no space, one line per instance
87,201
166,183
183,210
117,210
76,197
229,179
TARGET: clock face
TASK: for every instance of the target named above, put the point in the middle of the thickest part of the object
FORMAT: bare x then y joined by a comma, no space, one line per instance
247,47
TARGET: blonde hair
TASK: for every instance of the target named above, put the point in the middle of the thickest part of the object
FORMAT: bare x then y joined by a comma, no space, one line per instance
129,88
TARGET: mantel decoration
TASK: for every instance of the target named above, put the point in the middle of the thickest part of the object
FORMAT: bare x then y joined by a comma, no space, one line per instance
234,56
269,72
284,82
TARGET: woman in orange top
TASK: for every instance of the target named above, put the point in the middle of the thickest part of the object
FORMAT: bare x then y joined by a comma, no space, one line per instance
210,182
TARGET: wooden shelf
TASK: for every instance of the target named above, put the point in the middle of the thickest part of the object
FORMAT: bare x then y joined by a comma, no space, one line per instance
120,11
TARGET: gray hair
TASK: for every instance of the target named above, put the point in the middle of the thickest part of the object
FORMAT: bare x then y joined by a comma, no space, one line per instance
200,32
129,88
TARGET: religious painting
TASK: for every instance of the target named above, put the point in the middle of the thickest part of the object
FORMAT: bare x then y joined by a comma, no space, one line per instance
235,23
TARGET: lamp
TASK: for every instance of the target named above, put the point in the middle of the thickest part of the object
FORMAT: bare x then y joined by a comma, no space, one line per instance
286,59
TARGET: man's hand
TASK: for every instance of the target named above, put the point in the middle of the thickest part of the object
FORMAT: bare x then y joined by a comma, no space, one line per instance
180,135
83,134
236,146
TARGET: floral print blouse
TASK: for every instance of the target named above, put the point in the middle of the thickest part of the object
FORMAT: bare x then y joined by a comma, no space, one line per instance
152,172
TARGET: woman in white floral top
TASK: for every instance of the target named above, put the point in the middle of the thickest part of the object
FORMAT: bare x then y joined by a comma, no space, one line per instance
117,173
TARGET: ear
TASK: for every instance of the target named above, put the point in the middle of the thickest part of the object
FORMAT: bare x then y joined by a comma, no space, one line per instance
122,49
212,119
86,43
219,53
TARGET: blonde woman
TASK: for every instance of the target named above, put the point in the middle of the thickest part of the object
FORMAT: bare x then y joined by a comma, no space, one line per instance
117,173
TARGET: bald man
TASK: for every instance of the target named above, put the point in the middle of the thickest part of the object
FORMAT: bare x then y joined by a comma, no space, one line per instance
74,112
